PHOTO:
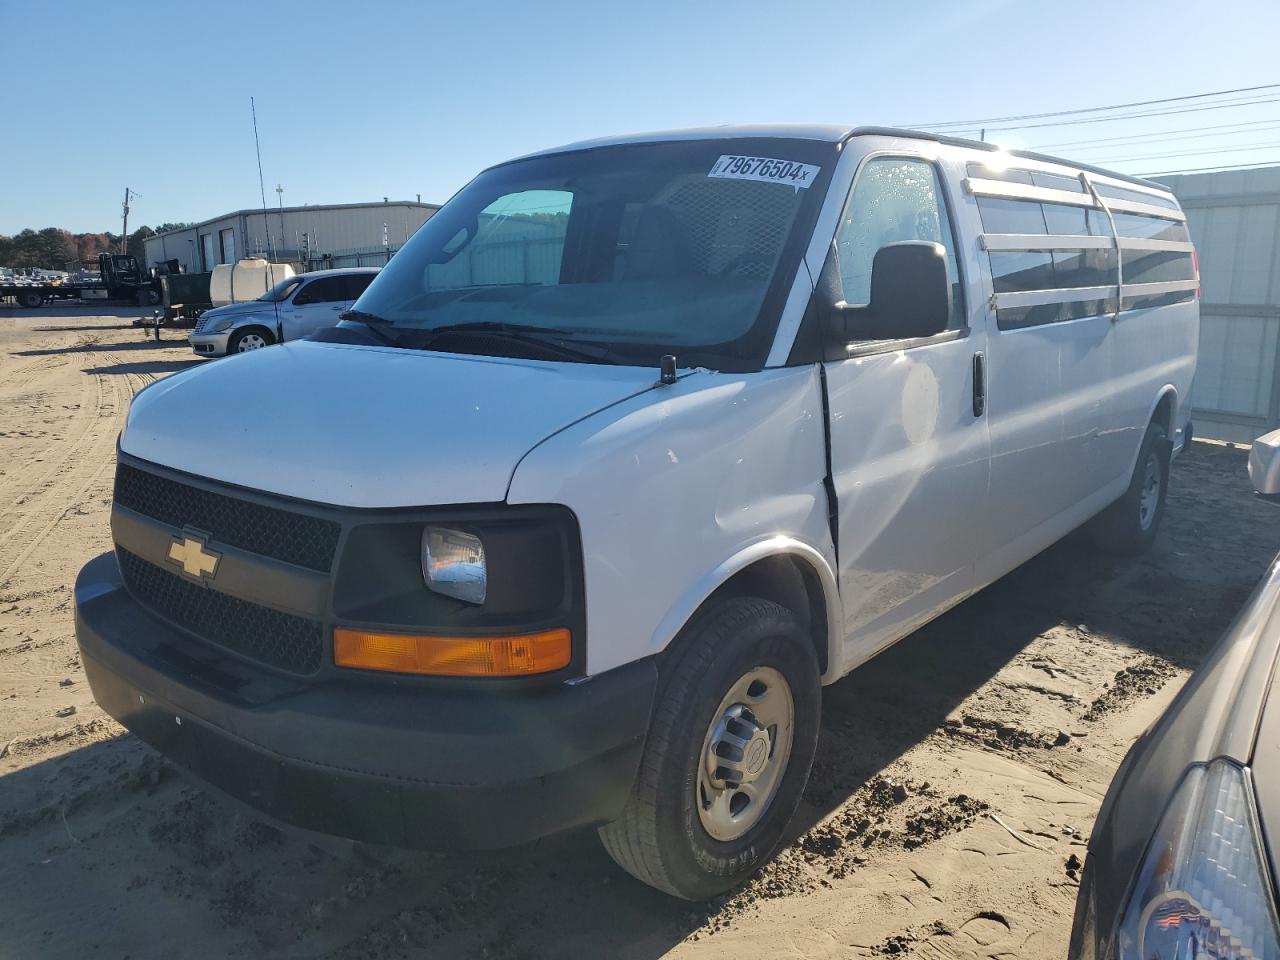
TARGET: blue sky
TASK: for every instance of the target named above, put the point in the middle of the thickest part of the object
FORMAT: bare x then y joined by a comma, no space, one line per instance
361,100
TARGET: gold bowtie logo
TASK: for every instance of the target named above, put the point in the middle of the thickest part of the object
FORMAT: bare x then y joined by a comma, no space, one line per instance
189,553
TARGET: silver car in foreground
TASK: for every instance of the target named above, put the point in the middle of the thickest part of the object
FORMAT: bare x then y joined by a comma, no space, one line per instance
1183,856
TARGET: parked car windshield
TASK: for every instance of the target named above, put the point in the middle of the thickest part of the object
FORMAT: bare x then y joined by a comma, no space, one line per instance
281,290
624,252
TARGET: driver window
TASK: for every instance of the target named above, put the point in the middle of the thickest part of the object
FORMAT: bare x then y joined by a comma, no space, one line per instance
519,239
894,199
324,290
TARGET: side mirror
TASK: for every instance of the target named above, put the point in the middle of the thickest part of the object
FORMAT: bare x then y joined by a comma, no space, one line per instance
910,295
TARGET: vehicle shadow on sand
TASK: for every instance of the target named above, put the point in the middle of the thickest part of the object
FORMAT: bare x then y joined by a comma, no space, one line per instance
106,847
153,367
83,329
145,341
60,310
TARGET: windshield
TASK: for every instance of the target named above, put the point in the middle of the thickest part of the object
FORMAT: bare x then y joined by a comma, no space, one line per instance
631,251
281,290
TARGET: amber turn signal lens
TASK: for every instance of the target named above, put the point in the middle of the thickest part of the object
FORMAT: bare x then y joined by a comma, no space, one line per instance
512,656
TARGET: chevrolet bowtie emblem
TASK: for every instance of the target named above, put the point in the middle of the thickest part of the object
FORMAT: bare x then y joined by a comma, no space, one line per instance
189,552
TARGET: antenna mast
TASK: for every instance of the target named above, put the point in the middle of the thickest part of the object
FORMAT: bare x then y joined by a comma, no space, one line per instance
266,224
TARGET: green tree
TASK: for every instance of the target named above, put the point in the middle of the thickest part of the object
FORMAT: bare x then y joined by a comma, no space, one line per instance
136,246
56,248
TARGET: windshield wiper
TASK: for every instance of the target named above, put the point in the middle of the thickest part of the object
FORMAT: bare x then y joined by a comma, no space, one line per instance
377,325
540,337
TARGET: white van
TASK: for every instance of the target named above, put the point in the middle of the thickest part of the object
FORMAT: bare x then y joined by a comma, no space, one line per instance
635,445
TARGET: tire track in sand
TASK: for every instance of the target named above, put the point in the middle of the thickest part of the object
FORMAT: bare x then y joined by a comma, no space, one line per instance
71,486
82,425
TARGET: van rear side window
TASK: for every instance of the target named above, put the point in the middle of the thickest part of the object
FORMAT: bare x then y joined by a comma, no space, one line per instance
1066,276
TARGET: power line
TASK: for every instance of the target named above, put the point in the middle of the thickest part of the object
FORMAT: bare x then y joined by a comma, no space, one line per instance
1195,153
1225,167
1184,134
1130,116
1114,106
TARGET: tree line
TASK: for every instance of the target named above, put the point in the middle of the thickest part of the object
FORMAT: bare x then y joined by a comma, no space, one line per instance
53,248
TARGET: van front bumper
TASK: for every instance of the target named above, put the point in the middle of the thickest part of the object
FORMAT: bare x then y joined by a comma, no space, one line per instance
370,759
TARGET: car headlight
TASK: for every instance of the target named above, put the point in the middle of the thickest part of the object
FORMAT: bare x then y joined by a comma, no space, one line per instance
1203,889
222,326
453,564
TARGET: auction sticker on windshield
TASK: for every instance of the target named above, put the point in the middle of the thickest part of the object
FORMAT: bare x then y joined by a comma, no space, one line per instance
764,169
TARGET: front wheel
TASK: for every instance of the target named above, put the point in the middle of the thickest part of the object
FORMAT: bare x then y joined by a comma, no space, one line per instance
254,338
1128,527
730,746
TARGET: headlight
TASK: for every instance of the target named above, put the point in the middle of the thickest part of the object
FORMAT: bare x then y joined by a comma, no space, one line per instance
222,326
1203,889
453,564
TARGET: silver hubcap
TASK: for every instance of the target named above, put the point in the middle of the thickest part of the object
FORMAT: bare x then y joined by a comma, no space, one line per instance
745,753
1150,492
251,341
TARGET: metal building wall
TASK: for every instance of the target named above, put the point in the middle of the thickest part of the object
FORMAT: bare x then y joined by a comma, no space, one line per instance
335,230
1234,217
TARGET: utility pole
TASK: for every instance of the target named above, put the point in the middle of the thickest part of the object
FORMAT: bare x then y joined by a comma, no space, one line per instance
124,229
280,204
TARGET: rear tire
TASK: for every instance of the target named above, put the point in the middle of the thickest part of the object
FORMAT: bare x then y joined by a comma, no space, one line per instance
30,299
740,673
1128,527
250,338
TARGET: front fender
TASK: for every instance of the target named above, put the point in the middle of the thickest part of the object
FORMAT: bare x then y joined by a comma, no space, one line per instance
820,563
676,488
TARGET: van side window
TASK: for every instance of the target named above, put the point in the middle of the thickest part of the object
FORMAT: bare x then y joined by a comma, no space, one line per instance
893,199
1078,280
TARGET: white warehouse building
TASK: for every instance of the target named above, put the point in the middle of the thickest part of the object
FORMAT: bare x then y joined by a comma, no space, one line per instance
311,237
1234,219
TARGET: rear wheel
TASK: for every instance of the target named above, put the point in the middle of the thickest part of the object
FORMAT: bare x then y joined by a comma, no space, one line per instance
30,299
728,754
1128,527
252,338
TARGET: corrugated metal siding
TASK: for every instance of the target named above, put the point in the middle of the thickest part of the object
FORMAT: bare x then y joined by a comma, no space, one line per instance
333,230
1234,217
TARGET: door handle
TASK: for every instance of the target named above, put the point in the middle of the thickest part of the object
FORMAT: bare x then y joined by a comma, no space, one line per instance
979,384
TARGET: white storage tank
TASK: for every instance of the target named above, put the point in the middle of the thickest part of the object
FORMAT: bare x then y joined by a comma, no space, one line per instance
246,280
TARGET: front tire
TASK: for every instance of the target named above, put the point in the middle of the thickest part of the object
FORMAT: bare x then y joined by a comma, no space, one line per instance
251,338
728,754
1128,527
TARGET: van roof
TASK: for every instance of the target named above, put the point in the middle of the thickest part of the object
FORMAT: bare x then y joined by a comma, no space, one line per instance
834,133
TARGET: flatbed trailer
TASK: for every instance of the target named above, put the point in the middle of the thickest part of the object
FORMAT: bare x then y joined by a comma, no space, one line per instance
123,280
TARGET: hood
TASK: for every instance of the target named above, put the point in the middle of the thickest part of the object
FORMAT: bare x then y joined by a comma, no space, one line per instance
242,309
367,426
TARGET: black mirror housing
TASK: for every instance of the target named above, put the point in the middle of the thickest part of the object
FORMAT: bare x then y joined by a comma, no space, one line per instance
910,295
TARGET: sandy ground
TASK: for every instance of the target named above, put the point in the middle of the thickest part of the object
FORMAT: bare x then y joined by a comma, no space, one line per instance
957,777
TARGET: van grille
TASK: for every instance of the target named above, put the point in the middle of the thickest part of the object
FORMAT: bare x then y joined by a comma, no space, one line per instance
281,640
295,538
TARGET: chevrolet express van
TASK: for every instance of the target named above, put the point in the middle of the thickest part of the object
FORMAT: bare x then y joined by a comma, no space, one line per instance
633,447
